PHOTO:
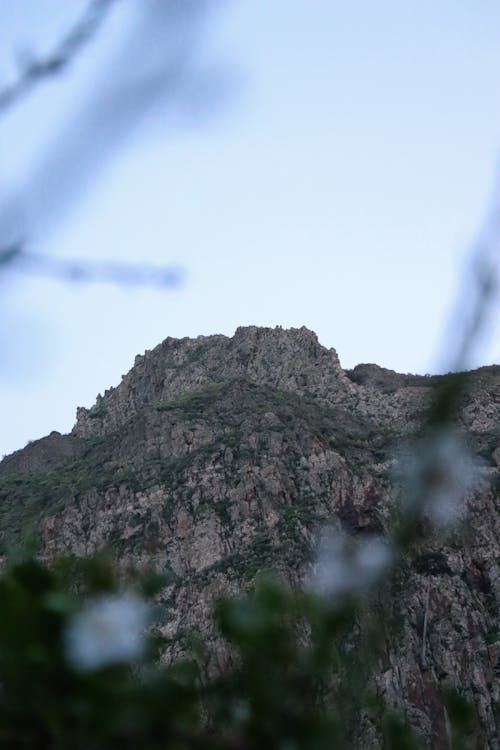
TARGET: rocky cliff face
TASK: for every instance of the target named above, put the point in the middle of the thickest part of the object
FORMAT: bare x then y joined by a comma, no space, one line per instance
217,457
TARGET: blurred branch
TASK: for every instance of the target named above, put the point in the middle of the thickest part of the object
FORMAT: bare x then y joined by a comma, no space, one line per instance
485,287
152,63
9,254
423,654
15,258
477,303
74,41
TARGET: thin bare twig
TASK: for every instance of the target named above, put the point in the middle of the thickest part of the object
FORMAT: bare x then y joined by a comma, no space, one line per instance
59,59
423,654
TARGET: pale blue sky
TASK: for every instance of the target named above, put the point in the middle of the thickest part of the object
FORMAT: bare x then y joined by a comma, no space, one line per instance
338,182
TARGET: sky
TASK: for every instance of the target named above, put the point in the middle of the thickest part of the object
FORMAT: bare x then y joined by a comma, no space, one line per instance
326,164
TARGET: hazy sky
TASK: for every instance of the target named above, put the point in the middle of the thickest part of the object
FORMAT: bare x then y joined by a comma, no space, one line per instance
323,163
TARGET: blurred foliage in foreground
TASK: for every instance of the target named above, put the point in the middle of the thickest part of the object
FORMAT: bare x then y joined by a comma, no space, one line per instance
81,666
79,675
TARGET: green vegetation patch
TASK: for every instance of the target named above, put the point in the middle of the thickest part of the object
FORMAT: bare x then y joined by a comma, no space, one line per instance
26,498
194,401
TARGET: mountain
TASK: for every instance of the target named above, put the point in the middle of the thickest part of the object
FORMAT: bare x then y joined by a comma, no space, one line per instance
217,457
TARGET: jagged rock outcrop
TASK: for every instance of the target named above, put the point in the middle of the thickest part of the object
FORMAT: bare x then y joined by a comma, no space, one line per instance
216,457
289,360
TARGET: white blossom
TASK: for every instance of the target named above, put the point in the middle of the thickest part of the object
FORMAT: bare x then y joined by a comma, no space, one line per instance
437,475
108,630
347,565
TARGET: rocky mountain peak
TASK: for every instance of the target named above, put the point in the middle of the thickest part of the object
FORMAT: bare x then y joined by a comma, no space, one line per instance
288,359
